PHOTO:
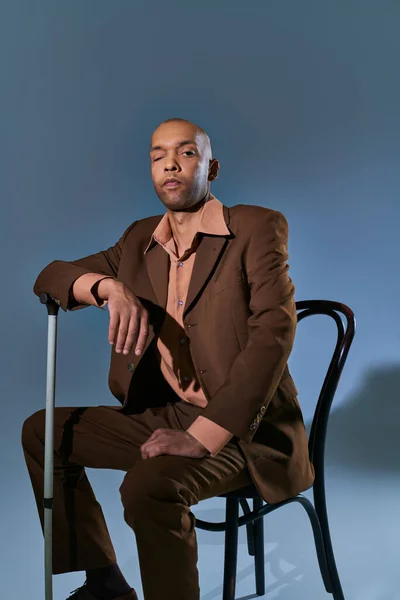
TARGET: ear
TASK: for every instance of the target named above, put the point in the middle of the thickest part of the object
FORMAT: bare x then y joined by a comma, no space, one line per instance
213,169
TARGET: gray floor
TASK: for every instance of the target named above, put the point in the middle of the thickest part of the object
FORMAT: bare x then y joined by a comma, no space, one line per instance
363,492
365,529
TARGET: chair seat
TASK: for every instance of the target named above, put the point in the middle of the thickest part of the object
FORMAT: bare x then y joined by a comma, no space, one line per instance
249,491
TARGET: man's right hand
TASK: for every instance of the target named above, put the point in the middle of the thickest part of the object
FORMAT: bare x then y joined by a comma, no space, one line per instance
129,320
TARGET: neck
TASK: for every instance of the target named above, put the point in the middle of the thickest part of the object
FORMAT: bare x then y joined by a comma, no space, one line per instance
185,224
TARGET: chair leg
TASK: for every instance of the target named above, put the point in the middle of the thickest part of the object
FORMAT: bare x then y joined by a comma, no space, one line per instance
259,559
250,539
321,510
231,548
249,527
319,542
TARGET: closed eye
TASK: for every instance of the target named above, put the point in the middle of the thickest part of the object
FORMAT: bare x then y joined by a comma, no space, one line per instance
190,152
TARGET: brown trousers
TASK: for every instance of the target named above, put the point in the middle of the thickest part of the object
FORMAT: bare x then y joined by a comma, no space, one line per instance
156,494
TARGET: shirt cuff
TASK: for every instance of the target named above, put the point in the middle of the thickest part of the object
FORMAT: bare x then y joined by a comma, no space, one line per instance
211,435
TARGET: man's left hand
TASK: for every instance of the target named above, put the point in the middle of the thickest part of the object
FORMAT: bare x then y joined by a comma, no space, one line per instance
173,442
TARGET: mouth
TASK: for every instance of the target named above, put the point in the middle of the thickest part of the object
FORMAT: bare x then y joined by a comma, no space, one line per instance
171,183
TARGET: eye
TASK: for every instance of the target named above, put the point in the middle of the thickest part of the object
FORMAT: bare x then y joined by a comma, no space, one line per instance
192,152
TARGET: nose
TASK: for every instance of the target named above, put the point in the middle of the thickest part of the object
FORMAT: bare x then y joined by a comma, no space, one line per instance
171,165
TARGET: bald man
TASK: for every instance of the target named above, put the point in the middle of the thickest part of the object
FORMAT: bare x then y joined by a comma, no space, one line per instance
201,323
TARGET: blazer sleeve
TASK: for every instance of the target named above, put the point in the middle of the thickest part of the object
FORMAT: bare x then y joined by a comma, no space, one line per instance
58,277
257,370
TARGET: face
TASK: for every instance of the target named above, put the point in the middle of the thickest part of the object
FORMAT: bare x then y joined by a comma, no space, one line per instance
181,165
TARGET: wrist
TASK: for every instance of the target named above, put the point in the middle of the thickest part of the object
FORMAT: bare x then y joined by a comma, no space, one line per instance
103,288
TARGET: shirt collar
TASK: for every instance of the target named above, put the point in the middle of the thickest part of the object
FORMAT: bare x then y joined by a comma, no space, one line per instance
212,222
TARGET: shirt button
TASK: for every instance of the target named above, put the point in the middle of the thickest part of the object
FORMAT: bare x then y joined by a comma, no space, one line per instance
180,264
182,340
186,378
180,302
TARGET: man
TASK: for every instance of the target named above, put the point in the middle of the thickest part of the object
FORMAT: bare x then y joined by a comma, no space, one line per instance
202,321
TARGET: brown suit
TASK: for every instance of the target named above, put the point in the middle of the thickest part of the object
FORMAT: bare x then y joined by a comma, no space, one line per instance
240,321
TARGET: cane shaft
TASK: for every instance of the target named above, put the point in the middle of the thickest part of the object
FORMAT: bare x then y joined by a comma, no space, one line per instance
49,454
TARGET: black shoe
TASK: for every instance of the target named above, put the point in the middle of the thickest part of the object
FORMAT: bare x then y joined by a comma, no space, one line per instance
82,593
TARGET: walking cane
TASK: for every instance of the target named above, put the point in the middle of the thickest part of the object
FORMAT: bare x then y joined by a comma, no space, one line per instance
52,312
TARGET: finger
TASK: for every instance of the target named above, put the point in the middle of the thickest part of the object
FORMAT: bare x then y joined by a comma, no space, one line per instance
152,450
122,333
143,333
144,447
154,436
164,445
132,334
113,326
159,438
160,431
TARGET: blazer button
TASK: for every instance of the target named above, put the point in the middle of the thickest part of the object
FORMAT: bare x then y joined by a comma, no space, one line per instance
131,367
253,426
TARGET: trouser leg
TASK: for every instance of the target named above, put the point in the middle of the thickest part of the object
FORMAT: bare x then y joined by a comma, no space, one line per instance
157,495
97,437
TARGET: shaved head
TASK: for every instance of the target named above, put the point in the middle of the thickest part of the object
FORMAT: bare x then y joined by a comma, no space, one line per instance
181,150
198,131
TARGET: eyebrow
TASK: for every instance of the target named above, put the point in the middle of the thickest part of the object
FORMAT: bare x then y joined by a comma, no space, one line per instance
183,143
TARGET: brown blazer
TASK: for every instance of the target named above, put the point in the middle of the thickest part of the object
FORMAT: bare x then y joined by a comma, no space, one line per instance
240,321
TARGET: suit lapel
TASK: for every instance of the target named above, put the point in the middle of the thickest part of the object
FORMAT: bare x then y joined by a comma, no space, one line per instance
157,262
208,253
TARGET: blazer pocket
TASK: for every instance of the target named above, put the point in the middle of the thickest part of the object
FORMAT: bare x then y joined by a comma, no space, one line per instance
227,280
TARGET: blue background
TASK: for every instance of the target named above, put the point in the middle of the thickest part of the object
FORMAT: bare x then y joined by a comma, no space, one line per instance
301,100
